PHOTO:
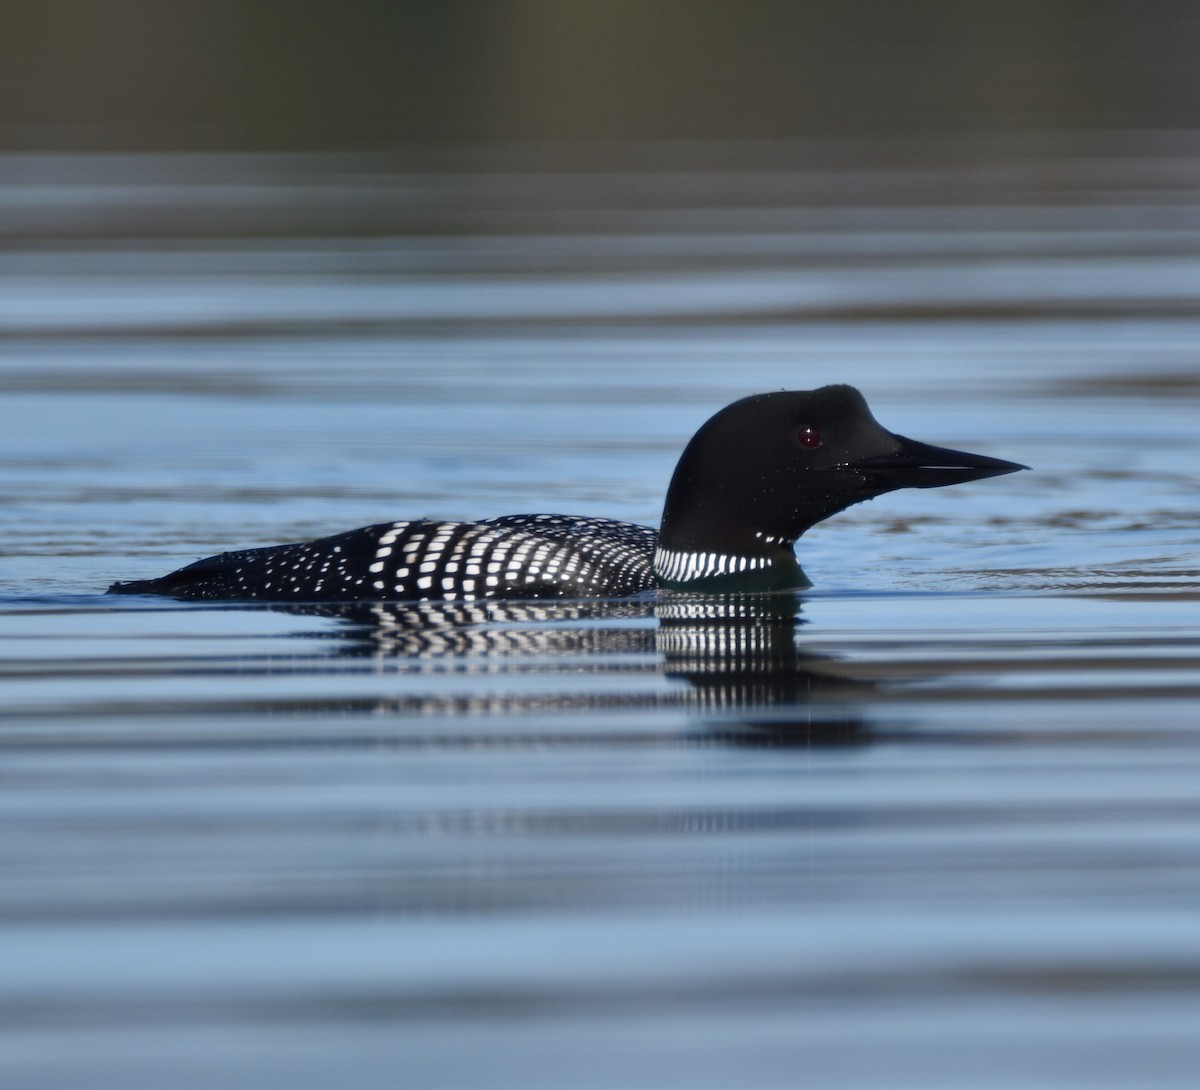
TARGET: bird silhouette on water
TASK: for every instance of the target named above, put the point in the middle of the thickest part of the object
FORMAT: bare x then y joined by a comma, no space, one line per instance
749,483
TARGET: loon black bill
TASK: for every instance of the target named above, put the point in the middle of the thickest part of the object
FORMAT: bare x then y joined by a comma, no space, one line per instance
921,465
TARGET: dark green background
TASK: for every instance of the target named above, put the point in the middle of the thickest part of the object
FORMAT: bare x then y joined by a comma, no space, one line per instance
212,74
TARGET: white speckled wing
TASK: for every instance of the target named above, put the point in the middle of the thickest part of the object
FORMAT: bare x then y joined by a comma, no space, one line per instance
516,556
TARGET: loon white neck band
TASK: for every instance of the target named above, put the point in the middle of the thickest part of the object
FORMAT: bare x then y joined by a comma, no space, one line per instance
682,567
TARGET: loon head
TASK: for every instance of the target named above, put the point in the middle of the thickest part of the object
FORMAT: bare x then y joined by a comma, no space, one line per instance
766,468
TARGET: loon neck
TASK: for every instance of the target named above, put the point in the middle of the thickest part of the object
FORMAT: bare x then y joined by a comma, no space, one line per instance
710,547
730,521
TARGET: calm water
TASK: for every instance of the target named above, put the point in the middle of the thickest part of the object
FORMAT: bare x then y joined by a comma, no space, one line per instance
935,823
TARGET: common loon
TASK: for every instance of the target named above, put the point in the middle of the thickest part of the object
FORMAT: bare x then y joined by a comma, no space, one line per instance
749,483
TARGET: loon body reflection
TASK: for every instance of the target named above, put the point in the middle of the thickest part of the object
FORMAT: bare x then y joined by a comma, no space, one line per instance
747,680
749,483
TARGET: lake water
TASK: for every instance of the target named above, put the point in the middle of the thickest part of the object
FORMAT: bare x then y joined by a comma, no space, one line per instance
935,823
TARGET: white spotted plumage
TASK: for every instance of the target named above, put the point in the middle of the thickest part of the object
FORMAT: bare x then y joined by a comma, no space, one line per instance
516,556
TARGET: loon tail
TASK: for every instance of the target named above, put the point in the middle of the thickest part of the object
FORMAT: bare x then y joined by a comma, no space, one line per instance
178,582
136,586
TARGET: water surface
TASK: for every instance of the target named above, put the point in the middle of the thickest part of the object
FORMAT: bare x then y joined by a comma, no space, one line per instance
934,823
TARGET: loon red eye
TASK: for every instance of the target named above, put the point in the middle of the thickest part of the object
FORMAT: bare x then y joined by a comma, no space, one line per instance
809,437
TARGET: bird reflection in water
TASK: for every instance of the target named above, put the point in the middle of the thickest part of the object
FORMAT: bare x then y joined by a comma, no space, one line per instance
748,680
741,658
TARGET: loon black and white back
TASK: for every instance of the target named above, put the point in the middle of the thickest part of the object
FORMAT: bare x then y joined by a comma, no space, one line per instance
511,557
